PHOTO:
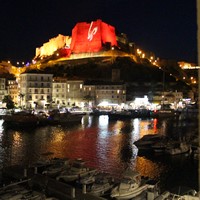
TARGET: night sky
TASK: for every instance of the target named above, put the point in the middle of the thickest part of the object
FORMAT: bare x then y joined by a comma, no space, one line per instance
166,27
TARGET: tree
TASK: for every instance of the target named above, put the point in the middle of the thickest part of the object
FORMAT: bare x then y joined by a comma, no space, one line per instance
9,102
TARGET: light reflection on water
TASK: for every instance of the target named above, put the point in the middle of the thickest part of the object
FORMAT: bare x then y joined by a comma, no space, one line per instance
106,145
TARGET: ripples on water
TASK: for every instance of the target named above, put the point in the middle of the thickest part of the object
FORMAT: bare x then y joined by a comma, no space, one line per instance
105,145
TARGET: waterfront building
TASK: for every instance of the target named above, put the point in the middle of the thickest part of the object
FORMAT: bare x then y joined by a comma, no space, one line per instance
173,98
59,94
67,93
89,94
75,92
113,93
35,90
13,91
3,90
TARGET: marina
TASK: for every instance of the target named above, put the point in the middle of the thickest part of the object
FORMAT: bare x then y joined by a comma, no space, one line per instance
104,145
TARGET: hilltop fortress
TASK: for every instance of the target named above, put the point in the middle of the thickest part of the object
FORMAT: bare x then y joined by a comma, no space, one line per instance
86,38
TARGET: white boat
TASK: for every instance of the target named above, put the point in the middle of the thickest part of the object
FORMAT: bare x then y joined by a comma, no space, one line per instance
130,186
181,148
103,183
76,171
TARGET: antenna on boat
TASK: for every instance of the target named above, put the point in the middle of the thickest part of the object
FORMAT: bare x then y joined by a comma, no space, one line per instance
198,60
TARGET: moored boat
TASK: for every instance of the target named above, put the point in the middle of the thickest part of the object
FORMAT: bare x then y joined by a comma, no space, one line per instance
147,141
76,171
22,119
130,186
65,118
179,148
102,185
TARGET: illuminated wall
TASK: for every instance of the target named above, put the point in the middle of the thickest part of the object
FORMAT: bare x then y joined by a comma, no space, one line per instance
108,34
53,45
89,37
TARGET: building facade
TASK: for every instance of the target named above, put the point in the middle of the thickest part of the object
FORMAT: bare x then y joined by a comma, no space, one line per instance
13,91
35,90
3,90
113,93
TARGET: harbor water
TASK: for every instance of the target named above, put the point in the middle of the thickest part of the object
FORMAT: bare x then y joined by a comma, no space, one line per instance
106,145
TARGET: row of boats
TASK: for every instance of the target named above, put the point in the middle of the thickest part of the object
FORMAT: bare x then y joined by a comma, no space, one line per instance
27,119
131,185
30,118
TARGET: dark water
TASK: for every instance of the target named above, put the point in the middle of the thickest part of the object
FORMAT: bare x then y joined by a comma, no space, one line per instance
105,145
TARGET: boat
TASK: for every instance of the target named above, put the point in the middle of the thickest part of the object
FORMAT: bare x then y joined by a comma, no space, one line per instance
120,115
65,118
86,180
159,147
146,142
102,185
56,166
131,185
178,148
76,171
162,113
21,118
189,195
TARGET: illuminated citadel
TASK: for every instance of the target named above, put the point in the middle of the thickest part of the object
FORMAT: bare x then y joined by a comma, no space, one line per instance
86,38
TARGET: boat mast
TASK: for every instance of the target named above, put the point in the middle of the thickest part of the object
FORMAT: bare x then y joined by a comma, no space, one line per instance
198,60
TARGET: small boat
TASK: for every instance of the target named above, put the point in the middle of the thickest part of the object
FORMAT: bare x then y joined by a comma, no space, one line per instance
130,186
179,148
76,171
103,183
146,142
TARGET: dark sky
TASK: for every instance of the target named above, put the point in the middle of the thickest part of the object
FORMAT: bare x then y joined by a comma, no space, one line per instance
166,27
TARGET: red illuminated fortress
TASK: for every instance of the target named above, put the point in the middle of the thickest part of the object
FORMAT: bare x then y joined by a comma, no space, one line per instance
92,37
89,37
